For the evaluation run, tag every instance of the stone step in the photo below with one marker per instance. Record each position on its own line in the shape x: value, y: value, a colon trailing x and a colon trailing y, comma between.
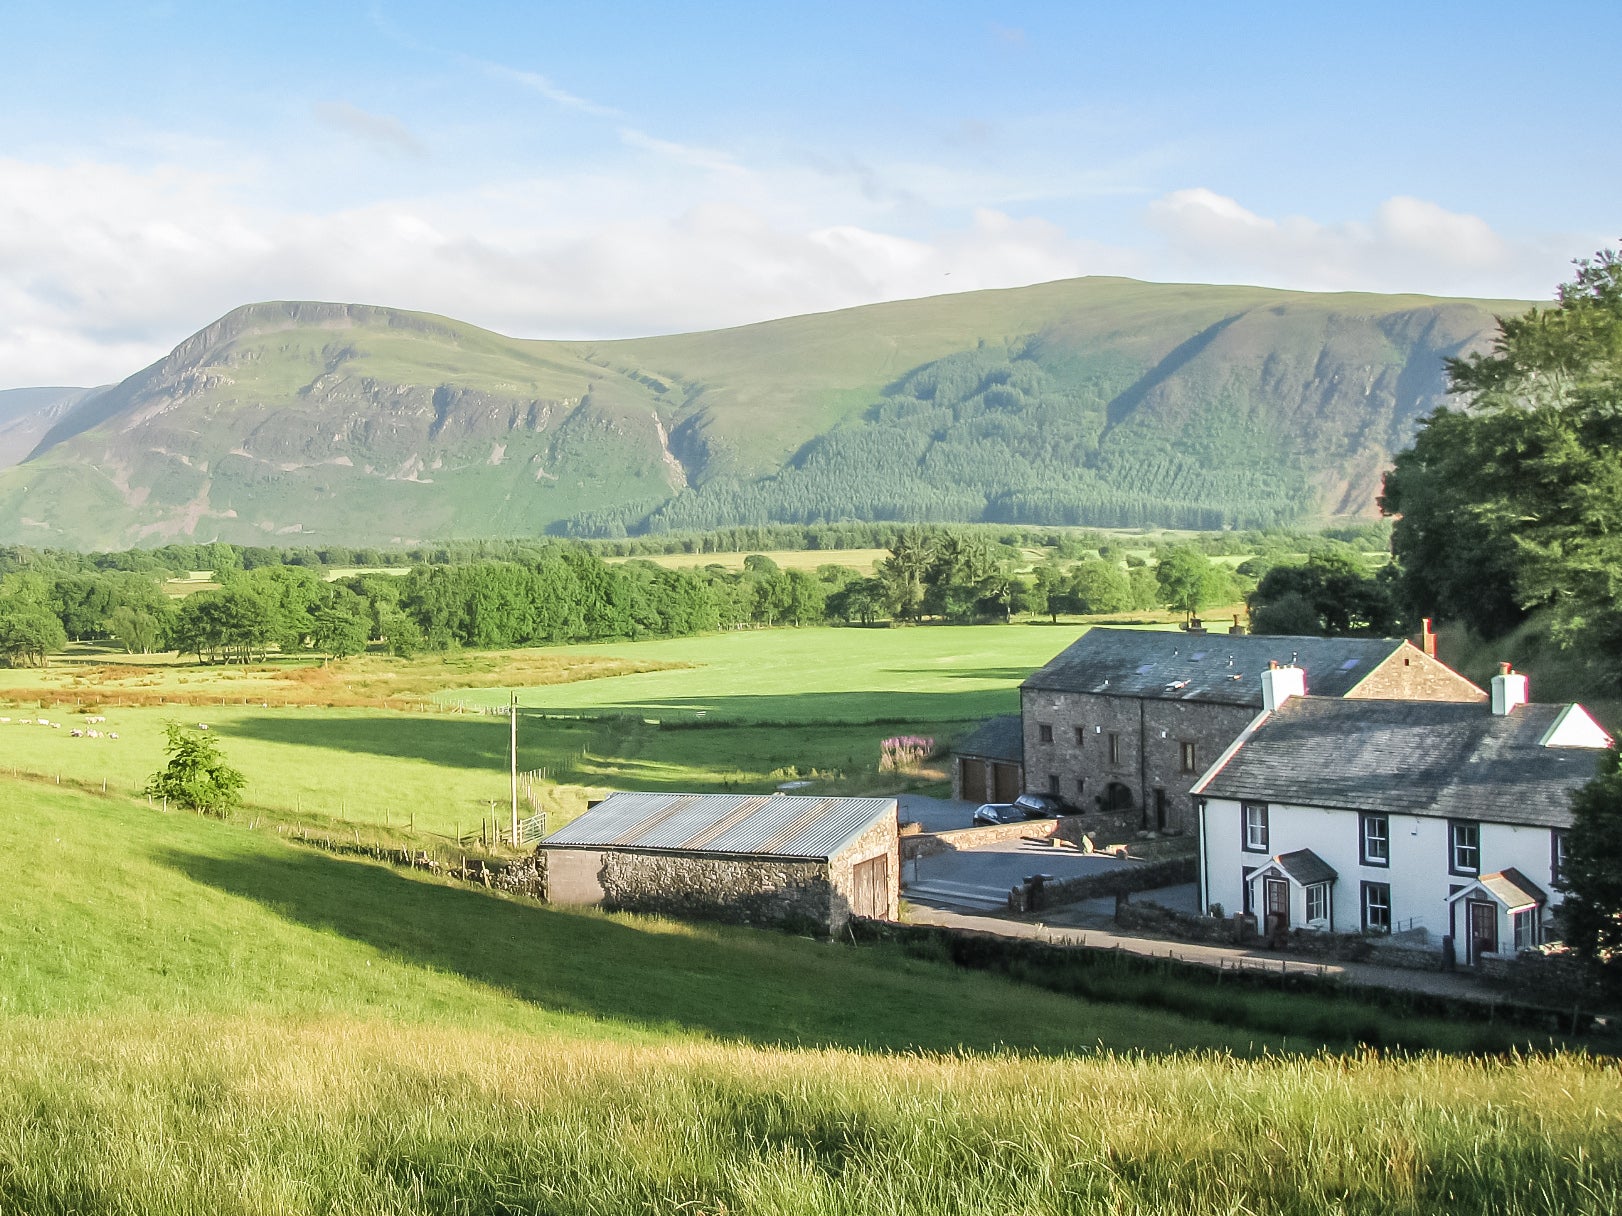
x: 956, y: 894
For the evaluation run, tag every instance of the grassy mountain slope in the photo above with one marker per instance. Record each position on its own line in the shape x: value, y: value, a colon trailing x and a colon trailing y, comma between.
x: 1102, y: 401
x: 28, y: 414
x: 204, y: 1018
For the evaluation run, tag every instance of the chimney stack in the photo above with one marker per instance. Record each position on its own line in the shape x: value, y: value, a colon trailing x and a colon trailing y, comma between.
x: 1279, y: 684
x: 1427, y: 637
x: 1508, y: 691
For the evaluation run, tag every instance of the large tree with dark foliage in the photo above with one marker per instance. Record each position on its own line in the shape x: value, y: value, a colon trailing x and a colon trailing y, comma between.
x: 1592, y: 874
x: 1514, y: 502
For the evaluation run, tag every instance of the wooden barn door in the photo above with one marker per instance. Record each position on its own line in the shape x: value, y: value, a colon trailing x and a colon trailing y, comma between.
x: 871, y: 880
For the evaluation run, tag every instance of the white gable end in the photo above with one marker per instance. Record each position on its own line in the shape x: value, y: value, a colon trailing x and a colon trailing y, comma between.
x: 1574, y: 728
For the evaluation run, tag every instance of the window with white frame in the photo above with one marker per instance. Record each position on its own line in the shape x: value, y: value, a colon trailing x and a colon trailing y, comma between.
x: 1527, y: 927
x: 1375, y: 833
x: 1318, y: 902
x: 1557, y: 857
x: 1464, y: 847
x: 1377, y: 907
x: 1255, y: 814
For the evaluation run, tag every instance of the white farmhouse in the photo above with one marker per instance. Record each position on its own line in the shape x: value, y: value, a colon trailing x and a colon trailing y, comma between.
x: 1395, y: 816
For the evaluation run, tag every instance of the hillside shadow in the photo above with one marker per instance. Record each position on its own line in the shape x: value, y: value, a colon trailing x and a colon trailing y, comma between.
x: 457, y: 742
x: 733, y: 984
x: 820, y: 708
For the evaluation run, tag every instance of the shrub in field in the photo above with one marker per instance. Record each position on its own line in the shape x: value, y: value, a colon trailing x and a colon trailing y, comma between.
x: 904, y: 752
x: 197, y: 776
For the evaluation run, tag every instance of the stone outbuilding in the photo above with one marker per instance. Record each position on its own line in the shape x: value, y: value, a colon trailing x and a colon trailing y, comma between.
x: 1124, y: 721
x: 989, y: 764
x: 805, y: 864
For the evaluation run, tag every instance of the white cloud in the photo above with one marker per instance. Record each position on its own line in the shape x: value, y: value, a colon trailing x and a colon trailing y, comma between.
x: 1408, y: 245
x: 536, y: 83
x: 104, y: 268
x: 379, y: 130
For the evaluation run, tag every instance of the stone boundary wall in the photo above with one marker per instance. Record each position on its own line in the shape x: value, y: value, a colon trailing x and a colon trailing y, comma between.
x: 925, y: 844
x: 792, y: 895
x: 1129, y: 879
x: 1043, y: 964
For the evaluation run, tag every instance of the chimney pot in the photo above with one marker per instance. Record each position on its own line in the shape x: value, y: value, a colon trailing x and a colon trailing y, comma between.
x: 1505, y: 668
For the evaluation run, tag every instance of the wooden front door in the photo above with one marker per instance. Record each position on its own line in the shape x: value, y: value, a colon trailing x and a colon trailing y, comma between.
x: 1483, y: 920
x: 871, y: 882
x: 1278, y: 901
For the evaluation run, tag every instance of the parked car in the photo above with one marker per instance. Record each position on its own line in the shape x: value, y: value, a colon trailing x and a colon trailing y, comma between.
x: 1026, y: 806
x: 997, y: 812
x: 1040, y: 806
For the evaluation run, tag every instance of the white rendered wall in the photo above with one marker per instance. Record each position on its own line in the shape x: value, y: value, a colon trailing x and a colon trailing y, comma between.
x: 1418, y: 870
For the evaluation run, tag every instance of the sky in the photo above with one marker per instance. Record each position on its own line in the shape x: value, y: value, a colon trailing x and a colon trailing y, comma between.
x: 562, y: 170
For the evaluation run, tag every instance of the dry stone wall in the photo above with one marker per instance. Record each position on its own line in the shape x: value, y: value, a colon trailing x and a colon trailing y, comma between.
x: 793, y: 895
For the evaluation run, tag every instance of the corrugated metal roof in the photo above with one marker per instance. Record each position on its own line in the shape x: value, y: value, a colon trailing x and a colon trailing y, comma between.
x: 753, y: 825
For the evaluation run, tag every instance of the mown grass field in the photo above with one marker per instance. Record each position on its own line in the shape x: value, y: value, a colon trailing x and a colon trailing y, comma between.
x: 196, y: 1017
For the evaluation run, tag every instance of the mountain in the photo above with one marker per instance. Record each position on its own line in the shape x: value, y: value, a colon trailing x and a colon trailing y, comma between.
x: 1099, y: 401
x: 27, y: 414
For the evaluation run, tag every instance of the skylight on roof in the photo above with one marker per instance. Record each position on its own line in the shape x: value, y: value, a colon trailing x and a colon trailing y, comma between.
x: 1146, y: 669
x: 1349, y: 664
x: 1198, y: 654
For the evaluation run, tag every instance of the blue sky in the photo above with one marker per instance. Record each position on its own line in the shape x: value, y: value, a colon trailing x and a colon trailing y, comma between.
x: 572, y: 170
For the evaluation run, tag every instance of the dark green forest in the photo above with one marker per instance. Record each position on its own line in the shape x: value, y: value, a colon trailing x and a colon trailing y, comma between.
x: 1003, y: 434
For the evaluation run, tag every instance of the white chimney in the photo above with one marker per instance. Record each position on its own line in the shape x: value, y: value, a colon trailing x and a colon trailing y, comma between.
x: 1508, y: 690
x: 1279, y: 684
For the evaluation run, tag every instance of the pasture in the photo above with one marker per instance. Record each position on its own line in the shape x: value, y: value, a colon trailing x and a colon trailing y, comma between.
x: 209, y: 1018
x: 392, y: 745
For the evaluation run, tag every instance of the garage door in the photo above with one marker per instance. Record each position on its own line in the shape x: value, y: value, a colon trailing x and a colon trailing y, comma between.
x: 972, y: 779
x: 1006, y: 780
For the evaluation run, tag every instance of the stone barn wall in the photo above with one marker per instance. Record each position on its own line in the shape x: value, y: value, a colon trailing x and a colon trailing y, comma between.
x: 1151, y: 734
x: 880, y: 840
x: 793, y: 895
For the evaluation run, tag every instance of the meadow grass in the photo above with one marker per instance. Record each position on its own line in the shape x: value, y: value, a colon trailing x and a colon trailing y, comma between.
x: 200, y: 1018
x: 722, y: 713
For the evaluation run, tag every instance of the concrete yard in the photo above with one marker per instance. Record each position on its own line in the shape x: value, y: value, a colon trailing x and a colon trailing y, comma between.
x: 980, y: 878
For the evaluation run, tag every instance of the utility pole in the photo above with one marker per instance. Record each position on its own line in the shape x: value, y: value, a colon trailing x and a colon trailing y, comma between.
x: 512, y: 756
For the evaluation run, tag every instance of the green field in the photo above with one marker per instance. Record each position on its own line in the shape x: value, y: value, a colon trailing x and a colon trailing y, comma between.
x: 198, y: 1017
x: 717, y: 719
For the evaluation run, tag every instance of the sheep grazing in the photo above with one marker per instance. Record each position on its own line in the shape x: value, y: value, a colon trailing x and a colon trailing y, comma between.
x: 92, y: 734
x: 78, y: 734
x: 202, y: 726
x: 112, y: 734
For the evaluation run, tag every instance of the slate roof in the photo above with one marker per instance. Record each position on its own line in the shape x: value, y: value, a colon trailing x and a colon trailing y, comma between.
x: 1220, y: 667
x: 998, y: 739
x: 1443, y: 758
x: 1306, y: 867
x: 749, y: 825
x: 1513, y: 889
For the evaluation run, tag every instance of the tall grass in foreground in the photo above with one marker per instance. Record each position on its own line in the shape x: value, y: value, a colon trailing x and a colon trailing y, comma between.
x: 350, y: 1116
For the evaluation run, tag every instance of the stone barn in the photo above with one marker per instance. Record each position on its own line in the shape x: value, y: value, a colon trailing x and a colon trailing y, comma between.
x: 805, y: 864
